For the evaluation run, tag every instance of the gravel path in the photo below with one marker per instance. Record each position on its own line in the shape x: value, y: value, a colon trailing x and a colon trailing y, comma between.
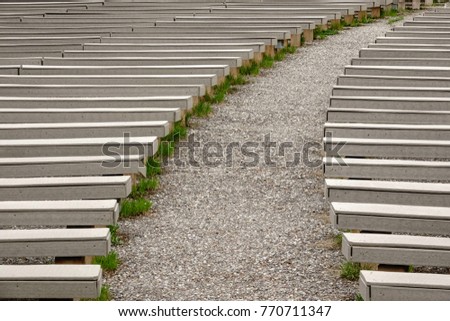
x: 248, y: 232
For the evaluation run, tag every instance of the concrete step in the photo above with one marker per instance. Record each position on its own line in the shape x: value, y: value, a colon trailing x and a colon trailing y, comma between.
x: 386, y: 91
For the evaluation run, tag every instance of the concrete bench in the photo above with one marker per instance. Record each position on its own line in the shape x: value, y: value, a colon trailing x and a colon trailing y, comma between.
x: 66, y: 115
x: 401, y: 103
x: 268, y: 41
x: 392, y: 81
x: 390, y: 218
x: 411, y: 62
x: 39, y: 41
x: 420, y: 46
x: 182, y: 102
x: 387, y: 192
x: 362, y: 168
x: 410, y: 40
x: 31, y: 48
x: 418, y: 34
x: 64, y: 188
x: 21, y: 61
x: 205, y: 80
x: 385, y: 91
x: 396, y: 249
x: 281, y: 34
x: 55, y: 242
x: 382, y: 148
x: 72, y: 166
x: 31, y: 54
x: 22, y: 28
x: 189, y: 64
x: 59, y: 213
x: 171, y: 34
x: 137, y: 44
x: 219, y: 70
x: 307, y: 24
x: 50, y: 281
x: 394, y: 286
x: 9, y: 70
x: 25, y: 90
x: 292, y: 33
x: 84, y: 129
x: 406, y: 53
x: 170, y: 62
x: 112, y: 146
x: 387, y: 116
x: 398, y: 71
x: 388, y: 131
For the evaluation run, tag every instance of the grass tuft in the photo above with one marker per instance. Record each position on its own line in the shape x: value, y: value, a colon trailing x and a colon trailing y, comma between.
x: 358, y: 297
x: 350, y: 270
x: 321, y: 34
x: 145, y: 185
x: 131, y: 207
x: 109, y: 262
x: 267, y: 62
x: 202, y: 110
x: 115, y: 238
x: 338, y: 240
x: 153, y: 167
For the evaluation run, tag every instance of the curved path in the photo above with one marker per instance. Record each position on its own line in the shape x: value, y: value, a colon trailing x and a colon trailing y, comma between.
x: 255, y: 232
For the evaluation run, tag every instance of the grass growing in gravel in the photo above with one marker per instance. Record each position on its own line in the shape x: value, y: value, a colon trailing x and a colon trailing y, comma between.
x: 250, y: 70
x: 145, y: 185
x: 115, y: 238
x: 109, y: 262
x: 131, y: 208
x: 337, y: 239
x: 358, y: 297
x: 321, y: 34
x: 350, y: 270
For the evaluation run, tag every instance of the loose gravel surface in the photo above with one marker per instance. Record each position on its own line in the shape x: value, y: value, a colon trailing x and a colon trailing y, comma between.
x: 237, y: 231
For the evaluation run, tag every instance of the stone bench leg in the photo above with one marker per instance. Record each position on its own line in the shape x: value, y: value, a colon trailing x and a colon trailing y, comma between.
x: 401, y: 5
x: 362, y: 15
x: 428, y: 2
x: 376, y: 12
x: 308, y: 35
x: 416, y: 4
x: 296, y: 40
x: 348, y: 19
